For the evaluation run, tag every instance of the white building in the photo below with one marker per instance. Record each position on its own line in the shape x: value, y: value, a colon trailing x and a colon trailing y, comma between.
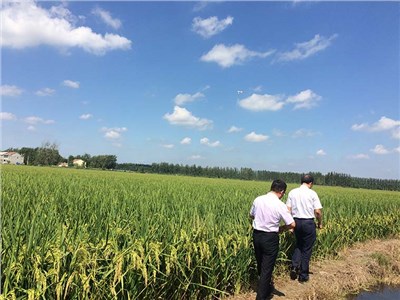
x: 77, y: 162
x: 12, y: 158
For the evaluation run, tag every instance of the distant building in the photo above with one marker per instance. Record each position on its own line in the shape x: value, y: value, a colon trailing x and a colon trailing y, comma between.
x: 77, y: 162
x: 12, y: 158
x: 63, y: 165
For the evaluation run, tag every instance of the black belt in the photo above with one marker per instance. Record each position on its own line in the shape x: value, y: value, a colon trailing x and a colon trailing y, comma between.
x: 303, y: 218
x: 261, y: 231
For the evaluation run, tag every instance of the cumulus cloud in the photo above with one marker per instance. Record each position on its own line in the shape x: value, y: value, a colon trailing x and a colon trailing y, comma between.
x: 384, y: 124
x: 182, y: 117
x: 186, y: 141
x: 10, y: 90
x: 113, y: 133
x: 106, y: 17
x: 6, y: 116
x: 380, y: 149
x: 45, y: 92
x: 255, y: 138
x: 33, y: 120
x: 210, y: 26
x: 196, y: 157
x: 181, y: 99
x: 306, y: 49
x: 321, y: 152
x: 26, y: 24
x: 227, y: 56
x: 359, y: 156
x: 71, y: 84
x: 305, y: 99
x: 257, y: 102
x: 85, y: 116
x: 207, y: 142
x: 234, y: 129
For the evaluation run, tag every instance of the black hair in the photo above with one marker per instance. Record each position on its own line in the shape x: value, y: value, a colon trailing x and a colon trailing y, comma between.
x: 307, y: 178
x: 278, y: 185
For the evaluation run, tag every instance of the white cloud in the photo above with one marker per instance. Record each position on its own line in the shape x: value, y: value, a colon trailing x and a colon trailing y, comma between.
x: 33, y: 120
x: 321, y: 152
x: 45, y: 92
x: 113, y: 133
x: 196, y: 157
x: 182, y: 117
x: 210, y: 26
x: 6, y: 116
x: 10, y: 90
x: 181, y: 99
x: 258, y: 102
x: 396, y: 150
x: 168, y: 146
x: 71, y: 84
x: 305, y: 99
x: 227, y: 56
x: 234, y: 129
x: 359, y: 156
x: 31, y: 128
x: 303, y: 133
x: 380, y: 149
x: 206, y: 141
x: 186, y: 141
x: 306, y: 49
x: 86, y: 116
x: 396, y: 133
x: 107, y: 18
x: 254, y: 137
x: 26, y: 24
x: 384, y: 124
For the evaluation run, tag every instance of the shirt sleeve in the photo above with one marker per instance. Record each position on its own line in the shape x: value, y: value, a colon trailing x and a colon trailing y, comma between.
x: 253, y: 210
x: 317, y: 202
x: 289, y: 201
x: 286, y: 216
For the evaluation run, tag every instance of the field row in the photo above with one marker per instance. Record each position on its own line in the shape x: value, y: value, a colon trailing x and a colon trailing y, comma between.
x: 84, y: 234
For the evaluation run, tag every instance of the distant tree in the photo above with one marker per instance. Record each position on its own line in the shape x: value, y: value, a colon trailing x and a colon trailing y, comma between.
x: 104, y: 161
x: 48, y: 155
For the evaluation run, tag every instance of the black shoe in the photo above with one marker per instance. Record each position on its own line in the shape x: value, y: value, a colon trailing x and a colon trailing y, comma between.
x: 303, y: 280
x: 293, y: 273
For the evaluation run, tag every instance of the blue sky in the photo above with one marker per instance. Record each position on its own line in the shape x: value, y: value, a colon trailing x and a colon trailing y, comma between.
x: 281, y: 86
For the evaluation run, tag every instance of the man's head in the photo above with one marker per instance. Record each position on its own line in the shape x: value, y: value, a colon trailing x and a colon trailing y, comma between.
x: 307, y: 178
x: 279, y: 186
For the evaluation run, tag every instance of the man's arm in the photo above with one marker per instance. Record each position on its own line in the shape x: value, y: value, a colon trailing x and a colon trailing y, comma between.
x: 283, y: 228
x: 318, y: 216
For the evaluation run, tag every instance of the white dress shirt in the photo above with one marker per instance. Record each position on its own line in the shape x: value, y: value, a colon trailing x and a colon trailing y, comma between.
x: 268, y: 210
x: 303, y: 201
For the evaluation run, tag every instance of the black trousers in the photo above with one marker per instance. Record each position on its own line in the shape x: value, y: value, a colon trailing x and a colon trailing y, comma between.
x: 266, y: 247
x: 306, y: 235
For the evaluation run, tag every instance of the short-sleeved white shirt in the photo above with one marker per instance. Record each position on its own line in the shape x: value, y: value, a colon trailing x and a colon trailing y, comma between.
x: 303, y: 201
x: 267, y: 211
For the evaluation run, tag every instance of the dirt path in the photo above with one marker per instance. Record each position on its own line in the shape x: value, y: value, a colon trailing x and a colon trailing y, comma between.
x: 359, y: 267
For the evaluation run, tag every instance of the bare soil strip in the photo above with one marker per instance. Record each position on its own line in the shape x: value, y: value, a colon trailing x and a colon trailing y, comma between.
x: 357, y: 268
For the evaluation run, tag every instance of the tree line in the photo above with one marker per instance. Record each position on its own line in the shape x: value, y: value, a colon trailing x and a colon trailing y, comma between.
x: 330, y: 179
x: 48, y: 155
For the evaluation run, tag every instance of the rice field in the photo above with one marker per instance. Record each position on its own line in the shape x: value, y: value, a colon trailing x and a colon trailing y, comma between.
x: 87, y: 234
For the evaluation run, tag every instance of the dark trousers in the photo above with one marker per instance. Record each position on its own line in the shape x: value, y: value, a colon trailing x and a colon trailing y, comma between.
x: 266, y: 247
x: 306, y: 235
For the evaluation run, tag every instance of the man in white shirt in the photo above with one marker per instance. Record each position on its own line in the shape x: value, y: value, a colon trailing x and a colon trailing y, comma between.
x: 304, y: 205
x: 266, y: 212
